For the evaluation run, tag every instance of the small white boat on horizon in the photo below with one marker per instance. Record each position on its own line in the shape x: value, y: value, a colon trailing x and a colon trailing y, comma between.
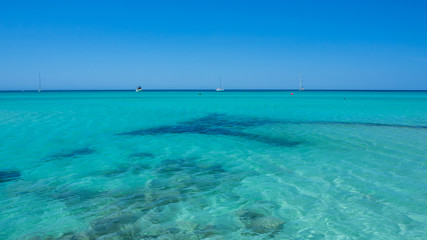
x: 138, y: 89
x: 220, y: 89
x: 301, y: 88
x: 40, y: 83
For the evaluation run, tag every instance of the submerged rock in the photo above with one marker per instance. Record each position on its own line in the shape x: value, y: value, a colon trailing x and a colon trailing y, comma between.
x: 130, y: 233
x: 105, y: 226
x: 38, y: 237
x: 258, y: 219
x: 9, y: 175
x: 74, y: 236
x: 266, y: 224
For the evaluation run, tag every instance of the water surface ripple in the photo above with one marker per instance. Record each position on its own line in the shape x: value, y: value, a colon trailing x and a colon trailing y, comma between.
x: 229, y: 165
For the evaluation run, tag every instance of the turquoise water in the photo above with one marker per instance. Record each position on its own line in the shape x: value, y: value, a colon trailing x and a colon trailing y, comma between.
x: 229, y: 165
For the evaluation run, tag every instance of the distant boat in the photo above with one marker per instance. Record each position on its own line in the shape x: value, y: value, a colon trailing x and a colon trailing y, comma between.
x: 220, y: 89
x: 301, y: 88
x: 40, y: 83
x: 138, y: 89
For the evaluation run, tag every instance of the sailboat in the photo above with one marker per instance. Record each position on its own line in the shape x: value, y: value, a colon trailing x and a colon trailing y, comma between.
x: 301, y: 88
x: 138, y: 89
x: 40, y: 83
x: 220, y: 89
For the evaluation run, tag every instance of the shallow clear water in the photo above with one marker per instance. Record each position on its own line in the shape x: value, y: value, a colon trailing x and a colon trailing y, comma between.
x: 229, y: 165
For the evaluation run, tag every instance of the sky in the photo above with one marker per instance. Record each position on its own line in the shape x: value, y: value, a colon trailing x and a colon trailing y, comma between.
x: 376, y: 45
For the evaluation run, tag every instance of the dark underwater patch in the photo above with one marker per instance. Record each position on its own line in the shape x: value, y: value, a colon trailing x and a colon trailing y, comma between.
x: 157, y: 202
x: 73, y: 154
x: 9, y: 175
x: 218, y: 124
x: 180, y: 128
x: 362, y: 124
x: 226, y: 125
x: 211, y: 124
x: 189, y: 176
x: 141, y: 155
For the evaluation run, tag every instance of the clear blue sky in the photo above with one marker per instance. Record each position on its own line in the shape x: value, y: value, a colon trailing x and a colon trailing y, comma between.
x: 189, y: 44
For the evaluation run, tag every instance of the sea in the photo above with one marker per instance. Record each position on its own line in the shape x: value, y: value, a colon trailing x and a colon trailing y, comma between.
x: 213, y: 165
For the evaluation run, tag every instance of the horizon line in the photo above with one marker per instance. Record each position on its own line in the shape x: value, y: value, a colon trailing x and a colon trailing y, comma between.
x: 212, y: 90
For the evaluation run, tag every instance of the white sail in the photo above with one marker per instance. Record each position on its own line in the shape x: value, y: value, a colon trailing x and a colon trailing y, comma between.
x: 301, y: 88
x: 220, y: 89
x: 40, y: 83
